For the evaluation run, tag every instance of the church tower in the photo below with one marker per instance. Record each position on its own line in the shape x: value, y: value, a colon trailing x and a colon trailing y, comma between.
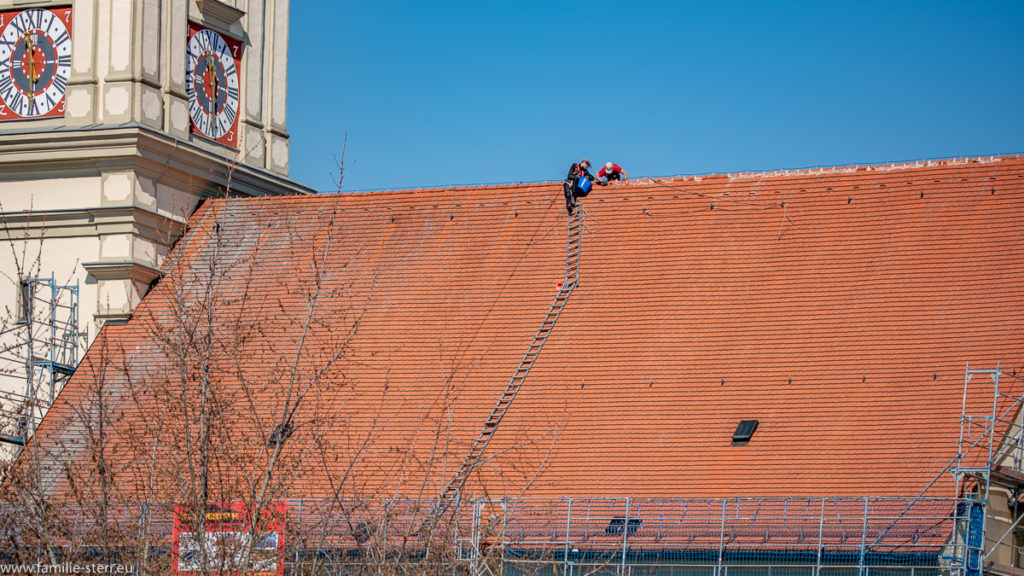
x: 117, y: 117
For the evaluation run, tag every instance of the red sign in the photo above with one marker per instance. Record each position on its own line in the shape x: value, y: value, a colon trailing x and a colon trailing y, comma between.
x: 227, y: 541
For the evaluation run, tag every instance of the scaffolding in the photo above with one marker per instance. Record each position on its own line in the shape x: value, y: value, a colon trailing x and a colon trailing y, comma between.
x: 990, y: 461
x: 905, y: 536
x: 40, y: 352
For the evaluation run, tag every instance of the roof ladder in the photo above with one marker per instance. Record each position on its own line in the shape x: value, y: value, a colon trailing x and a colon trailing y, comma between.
x: 574, y: 238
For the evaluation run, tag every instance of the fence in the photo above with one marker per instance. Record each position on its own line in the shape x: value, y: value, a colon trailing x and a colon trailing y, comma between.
x: 692, y: 537
x: 737, y: 536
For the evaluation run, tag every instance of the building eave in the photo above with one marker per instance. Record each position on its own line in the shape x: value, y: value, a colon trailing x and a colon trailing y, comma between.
x: 90, y: 150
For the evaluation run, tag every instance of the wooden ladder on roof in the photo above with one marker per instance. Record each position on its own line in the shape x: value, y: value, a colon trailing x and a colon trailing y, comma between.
x: 573, y: 243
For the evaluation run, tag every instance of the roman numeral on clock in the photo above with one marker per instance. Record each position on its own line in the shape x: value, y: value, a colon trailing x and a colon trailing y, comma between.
x: 64, y: 37
x: 35, y: 19
x: 6, y: 84
x: 17, y: 102
x: 19, y: 29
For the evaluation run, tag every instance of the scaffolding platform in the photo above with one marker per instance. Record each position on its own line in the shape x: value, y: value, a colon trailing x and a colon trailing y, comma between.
x: 40, y: 353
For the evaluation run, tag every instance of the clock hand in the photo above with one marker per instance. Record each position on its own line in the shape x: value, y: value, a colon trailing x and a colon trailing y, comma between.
x: 211, y: 71
x: 33, y: 77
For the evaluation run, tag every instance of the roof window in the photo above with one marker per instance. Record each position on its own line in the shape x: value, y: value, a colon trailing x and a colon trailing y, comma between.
x: 618, y: 524
x: 744, y: 432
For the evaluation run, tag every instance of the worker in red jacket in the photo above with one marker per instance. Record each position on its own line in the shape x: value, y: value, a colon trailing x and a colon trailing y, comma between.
x: 612, y: 171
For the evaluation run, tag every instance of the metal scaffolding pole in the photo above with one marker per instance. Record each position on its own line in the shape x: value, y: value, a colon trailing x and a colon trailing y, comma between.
x: 47, y: 333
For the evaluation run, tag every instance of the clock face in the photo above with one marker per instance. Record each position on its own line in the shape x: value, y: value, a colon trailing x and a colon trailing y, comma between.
x: 212, y: 85
x: 35, y: 62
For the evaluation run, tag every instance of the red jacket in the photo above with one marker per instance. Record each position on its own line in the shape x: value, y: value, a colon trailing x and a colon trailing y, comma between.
x: 616, y: 172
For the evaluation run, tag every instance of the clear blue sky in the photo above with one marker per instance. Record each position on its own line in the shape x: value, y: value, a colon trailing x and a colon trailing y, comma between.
x: 457, y: 93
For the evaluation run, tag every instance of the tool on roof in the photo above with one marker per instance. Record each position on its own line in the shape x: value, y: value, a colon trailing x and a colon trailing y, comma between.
x: 574, y: 240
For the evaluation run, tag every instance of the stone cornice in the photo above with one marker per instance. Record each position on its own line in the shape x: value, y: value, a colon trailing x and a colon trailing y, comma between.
x: 221, y: 11
x: 221, y: 17
x: 34, y: 225
x: 122, y: 269
x: 92, y: 150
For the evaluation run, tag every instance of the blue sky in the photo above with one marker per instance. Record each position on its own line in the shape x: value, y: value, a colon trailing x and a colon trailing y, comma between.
x: 449, y: 93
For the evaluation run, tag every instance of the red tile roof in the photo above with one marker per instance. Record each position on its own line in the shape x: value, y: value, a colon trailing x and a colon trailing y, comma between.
x: 838, y: 307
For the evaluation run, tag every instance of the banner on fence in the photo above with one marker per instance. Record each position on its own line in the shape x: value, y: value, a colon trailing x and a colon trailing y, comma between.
x: 227, y: 540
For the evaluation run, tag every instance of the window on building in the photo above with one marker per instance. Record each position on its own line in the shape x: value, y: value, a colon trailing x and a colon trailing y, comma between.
x: 744, y: 432
x: 24, y: 311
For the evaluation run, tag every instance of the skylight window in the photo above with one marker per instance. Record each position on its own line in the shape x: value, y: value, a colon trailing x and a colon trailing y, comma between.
x: 618, y: 524
x: 744, y: 432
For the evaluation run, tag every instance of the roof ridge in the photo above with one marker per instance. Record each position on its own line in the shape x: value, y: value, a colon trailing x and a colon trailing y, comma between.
x: 880, y: 167
x: 645, y: 180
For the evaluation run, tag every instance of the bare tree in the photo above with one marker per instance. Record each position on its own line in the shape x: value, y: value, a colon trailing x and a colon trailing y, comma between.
x: 215, y: 404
